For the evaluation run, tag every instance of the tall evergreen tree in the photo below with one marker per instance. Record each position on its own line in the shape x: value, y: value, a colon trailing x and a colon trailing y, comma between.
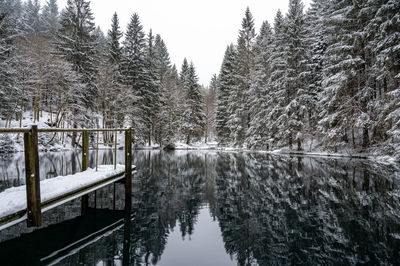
x: 31, y: 22
x: 193, y: 116
x: 226, y: 86
x: 135, y: 76
x: 342, y: 99
x: 166, y: 102
x: 317, y: 46
x: 50, y: 18
x: 114, y: 37
x: 259, y: 93
x: 244, y: 72
x: 7, y: 60
x: 153, y: 82
x: 385, y: 30
x: 276, y: 93
x: 296, y: 97
x: 75, y: 43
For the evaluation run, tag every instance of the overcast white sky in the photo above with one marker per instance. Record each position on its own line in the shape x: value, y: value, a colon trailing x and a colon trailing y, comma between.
x: 197, y: 30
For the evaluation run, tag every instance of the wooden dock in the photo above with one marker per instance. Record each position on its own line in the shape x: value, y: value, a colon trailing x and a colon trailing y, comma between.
x: 34, y: 207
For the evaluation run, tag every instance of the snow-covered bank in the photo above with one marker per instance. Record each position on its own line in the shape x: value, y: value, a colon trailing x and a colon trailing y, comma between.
x: 214, y: 146
x: 14, y: 199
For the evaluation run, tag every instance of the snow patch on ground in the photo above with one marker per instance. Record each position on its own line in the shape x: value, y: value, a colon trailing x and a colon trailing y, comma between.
x: 14, y: 199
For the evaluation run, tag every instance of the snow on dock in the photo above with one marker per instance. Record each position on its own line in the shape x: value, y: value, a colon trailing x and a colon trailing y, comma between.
x: 13, y: 200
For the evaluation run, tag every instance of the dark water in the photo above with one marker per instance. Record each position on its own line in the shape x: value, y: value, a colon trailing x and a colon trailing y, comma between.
x: 218, y: 208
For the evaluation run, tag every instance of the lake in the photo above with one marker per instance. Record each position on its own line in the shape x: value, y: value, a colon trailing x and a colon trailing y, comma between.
x: 217, y: 208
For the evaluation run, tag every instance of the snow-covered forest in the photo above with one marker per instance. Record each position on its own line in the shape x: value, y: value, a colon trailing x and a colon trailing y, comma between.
x: 61, y: 63
x: 328, y: 77
x: 325, y: 78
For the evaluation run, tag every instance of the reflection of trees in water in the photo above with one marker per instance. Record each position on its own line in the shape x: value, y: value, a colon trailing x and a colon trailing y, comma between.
x: 283, y: 210
x: 271, y: 209
x: 167, y: 189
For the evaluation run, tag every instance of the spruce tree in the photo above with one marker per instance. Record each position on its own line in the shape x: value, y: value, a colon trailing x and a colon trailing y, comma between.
x: 153, y: 92
x: 385, y: 29
x: 117, y: 91
x: 8, y: 80
x: 296, y: 99
x: 75, y: 42
x: 31, y: 22
x: 193, y: 116
x: 244, y: 72
x: 134, y: 73
x: 166, y: 102
x: 276, y: 94
x: 344, y: 98
x: 114, y: 38
x: 49, y: 18
x: 259, y: 92
x: 226, y: 86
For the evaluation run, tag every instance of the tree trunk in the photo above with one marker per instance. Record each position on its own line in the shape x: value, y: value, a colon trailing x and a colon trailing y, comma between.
x: 298, y: 144
x: 365, y: 138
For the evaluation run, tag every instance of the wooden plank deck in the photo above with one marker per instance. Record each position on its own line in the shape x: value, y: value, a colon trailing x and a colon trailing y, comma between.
x: 21, y: 215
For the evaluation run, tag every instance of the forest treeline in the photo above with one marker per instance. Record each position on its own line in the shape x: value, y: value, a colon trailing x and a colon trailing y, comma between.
x: 326, y: 77
x: 61, y: 63
x: 322, y: 78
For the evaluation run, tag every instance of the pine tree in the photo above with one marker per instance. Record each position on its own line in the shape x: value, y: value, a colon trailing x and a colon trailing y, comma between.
x: 209, y: 107
x: 133, y: 70
x: 75, y: 42
x: 114, y: 37
x: 49, y: 18
x: 296, y: 98
x: 152, y: 95
x: 114, y: 85
x: 173, y: 97
x: 244, y: 72
x: 317, y: 45
x: 31, y: 22
x: 193, y: 116
x: 384, y: 28
x: 226, y: 86
x: 7, y: 60
x: 258, y: 132
x: 276, y: 94
x: 165, y: 117
x: 344, y: 98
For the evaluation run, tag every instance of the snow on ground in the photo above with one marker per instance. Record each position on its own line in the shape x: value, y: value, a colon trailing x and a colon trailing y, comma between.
x: 14, y: 199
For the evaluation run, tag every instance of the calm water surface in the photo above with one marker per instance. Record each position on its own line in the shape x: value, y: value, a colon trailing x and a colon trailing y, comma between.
x: 219, y: 208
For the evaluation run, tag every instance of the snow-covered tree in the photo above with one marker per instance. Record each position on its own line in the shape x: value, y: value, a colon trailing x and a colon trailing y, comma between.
x: 114, y: 40
x: 193, y: 116
x: 8, y: 34
x: 276, y: 94
x: 296, y: 98
x: 258, y: 132
x: 226, y: 86
x: 75, y: 42
x: 209, y: 107
x: 244, y: 74
x: 31, y: 22
x: 134, y: 73
x: 49, y: 18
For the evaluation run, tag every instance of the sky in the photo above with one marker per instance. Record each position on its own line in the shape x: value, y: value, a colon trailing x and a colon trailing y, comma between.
x: 197, y: 30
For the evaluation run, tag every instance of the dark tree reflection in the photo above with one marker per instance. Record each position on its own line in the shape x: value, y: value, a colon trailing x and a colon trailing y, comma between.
x: 271, y: 210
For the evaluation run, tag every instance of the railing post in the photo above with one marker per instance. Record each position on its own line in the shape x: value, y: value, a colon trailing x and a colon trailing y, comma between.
x: 32, y: 177
x: 128, y: 171
x: 85, y: 165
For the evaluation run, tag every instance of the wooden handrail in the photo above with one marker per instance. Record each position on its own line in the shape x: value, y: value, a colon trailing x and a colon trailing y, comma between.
x: 14, y: 130
x: 52, y: 130
x: 34, y: 212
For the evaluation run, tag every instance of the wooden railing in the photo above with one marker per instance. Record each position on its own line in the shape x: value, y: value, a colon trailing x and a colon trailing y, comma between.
x: 32, y: 175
